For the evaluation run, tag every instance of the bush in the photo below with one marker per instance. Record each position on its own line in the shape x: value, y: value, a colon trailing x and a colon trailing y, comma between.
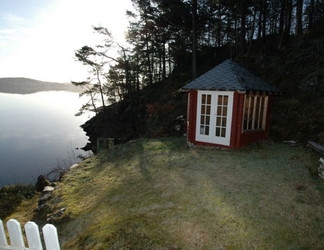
x: 12, y: 196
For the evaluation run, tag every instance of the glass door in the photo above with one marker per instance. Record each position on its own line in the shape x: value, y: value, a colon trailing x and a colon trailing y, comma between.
x: 214, y: 110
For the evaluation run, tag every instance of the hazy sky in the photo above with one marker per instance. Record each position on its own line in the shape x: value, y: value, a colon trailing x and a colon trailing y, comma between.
x: 38, y: 38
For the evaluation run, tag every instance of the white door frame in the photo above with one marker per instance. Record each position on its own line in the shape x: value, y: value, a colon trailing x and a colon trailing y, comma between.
x: 214, y: 117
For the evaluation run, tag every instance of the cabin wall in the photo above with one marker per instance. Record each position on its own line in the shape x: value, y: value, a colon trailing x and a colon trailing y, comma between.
x: 238, y: 138
x: 191, y: 115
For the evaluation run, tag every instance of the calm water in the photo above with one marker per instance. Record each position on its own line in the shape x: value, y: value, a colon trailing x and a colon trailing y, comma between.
x: 37, y: 133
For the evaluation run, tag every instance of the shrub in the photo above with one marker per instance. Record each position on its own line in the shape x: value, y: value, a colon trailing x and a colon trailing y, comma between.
x: 12, y: 196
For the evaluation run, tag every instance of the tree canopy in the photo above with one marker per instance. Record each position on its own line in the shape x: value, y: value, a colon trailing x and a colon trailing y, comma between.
x: 177, y: 40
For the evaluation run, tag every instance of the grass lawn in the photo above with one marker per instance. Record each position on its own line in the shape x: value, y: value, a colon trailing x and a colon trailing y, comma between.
x: 159, y: 194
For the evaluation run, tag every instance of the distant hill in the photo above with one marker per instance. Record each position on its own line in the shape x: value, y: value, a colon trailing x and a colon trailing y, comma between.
x: 21, y: 85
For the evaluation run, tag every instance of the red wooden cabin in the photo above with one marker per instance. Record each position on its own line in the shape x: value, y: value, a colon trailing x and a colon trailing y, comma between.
x: 228, y: 107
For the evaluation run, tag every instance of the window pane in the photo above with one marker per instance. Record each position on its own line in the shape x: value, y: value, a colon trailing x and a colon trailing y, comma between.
x: 262, y: 112
x: 202, y: 119
x: 208, y: 110
x: 224, y: 111
x: 218, y: 121
x: 246, y: 104
x: 218, y: 132
x: 251, y: 113
x: 264, y: 115
x: 203, y: 99
x: 251, y: 101
x: 220, y: 100
x: 225, y: 100
x: 202, y: 129
x: 219, y: 110
x: 207, y: 120
x: 203, y: 109
x: 224, y: 122
x: 208, y: 99
x: 258, y: 101
x: 223, y: 132
x: 207, y: 130
x: 262, y: 102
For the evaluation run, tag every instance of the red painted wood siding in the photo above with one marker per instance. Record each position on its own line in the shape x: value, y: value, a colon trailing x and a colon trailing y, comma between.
x: 192, y: 115
x: 236, y: 127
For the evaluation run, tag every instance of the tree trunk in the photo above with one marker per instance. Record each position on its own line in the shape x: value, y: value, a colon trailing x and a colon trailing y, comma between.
x: 243, y: 23
x: 264, y: 19
x: 282, y: 19
x: 299, y: 21
x: 289, y: 17
x: 194, y: 39
x: 163, y: 61
x: 130, y: 92
x: 253, y: 26
x: 93, y: 101
x: 311, y: 16
x: 219, y: 27
x: 101, y: 92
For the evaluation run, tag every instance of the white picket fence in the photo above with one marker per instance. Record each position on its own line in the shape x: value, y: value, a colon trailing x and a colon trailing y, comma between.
x: 32, y: 235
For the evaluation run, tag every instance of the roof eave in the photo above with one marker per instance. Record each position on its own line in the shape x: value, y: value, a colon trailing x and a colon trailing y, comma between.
x: 241, y: 91
x: 182, y: 90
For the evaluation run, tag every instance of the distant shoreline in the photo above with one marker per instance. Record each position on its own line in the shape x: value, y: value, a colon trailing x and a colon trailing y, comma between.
x: 21, y: 85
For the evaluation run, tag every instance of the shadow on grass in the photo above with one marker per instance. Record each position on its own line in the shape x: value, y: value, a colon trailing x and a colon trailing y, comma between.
x: 157, y: 194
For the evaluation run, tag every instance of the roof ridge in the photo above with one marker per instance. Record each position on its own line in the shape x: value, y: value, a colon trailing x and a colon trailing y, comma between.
x: 234, y: 66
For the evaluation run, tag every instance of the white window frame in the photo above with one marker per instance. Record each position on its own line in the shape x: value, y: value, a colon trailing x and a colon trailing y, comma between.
x: 255, y: 112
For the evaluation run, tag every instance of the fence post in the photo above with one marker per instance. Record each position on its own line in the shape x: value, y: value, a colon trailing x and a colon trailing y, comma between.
x: 33, y: 237
x: 15, y: 234
x: 51, y: 237
x: 3, y: 239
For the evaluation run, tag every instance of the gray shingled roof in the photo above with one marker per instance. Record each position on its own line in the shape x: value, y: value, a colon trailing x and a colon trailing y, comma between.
x: 230, y: 76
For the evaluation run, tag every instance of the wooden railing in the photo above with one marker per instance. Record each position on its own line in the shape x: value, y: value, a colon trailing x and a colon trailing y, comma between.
x: 17, y: 239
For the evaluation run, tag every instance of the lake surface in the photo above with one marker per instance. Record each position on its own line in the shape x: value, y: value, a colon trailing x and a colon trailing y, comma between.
x: 39, y: 132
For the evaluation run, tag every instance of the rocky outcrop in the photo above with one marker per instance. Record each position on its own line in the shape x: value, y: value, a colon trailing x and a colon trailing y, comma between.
x: 41, y: 183
x: 47, y: 202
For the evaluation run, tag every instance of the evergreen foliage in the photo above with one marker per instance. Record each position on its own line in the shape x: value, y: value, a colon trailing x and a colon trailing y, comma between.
x: 166, y: 48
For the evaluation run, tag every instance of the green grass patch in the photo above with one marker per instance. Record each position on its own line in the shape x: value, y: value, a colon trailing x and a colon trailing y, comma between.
x: 159, y: 194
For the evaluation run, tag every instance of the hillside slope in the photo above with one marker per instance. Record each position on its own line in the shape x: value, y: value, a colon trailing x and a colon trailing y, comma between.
x: 297, y: 68
x: 158, y: 194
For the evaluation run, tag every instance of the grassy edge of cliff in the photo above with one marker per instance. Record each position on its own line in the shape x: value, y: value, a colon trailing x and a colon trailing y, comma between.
x: 159, y: 194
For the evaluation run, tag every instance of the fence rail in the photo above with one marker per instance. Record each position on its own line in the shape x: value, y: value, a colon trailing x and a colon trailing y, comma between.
x: 32, y: 233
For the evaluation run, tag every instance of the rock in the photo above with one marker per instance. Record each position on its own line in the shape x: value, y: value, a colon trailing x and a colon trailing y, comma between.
x: 74, y: 166
x: 55, y: 215
x: 48, y: 189
x: 41, y: 183
x: 44, y: 198
x: 317, y: 147
x: 41, y: 207
x: 53, y: 184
